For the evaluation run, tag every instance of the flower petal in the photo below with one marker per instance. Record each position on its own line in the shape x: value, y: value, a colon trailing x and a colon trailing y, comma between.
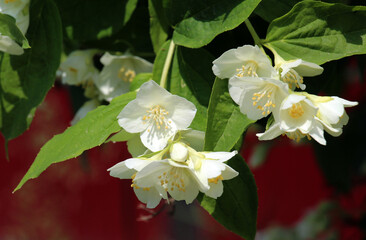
x: 120, y: 170
x: 216, y: 190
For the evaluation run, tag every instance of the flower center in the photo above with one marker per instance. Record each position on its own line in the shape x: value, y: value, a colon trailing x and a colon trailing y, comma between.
x: 172, y: 180
x: 9, y: 1
x: 248, y: 70
x: 265, y: 96
x: 297, y: 135
x: 292, y: 77
x: 126, y: 75
x: 296, y: 110
x: 158, y: 115
x: 216, y: 179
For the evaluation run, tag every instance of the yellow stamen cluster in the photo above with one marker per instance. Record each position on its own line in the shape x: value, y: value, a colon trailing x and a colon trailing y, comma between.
x: 126, y: 75
x: 172, y: 180
x: 296, y: 110
x: 258, y: 96
x: 248, y: 70
x: 158, y: 115
x: 216, y: 179
x: 292, y: 77
x: 134, y: 185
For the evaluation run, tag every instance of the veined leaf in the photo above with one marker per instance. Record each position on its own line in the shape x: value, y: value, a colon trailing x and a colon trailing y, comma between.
x: 26, y: 79
x: 225, y: 124
x: 201, y: 21
x: 89, y: 132
x: 10, y: 29
x: 319, y: 32
x: 190, y: 76
x: 236, y: 209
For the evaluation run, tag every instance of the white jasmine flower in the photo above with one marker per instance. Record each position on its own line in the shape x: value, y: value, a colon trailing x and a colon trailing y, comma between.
x: 118, y: 72
x: 296, y: 118
x: 78, y: 68
x: 87, y: 107
x: 331, y: 112
x: 257, y: 97
x: 127, y: 170
x: 210, y: 167
x: 245, y: 61
x: 18, y: 9
x: 186, y: 172
x: 157, y: 115
x: 293, y: 71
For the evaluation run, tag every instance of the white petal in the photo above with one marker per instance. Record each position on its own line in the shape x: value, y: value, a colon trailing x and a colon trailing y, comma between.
x: 216, y: 190
x: 156, y: 139
x: 130, y: 118
x: 137, y: 163
x: 221, y: 156
x: 317, y: 133
x: 225, y: 66
x: 273, y: 132
x: 213, y: 168
x: 151, y: 197
x: 181, y: 111
x: 148, y: 176
x: 120, y: 170
x: 229, y: 173
x: 151, y: 94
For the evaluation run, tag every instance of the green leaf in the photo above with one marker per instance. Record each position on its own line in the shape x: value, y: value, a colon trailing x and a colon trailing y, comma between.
x: 319, y: 32
x: 272, y: 9
x: 10, y: 29
x: 225, y: 124
x: 89, y: 132
x: 236, y: 209
x: 140, y: 79
x: 190, y: 76
x: 158, y: 25
x: 204, y: 20
x: 93, y: 19
x: 26, y: 79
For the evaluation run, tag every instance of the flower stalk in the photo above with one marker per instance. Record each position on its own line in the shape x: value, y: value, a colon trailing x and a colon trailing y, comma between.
x: 167, y: 64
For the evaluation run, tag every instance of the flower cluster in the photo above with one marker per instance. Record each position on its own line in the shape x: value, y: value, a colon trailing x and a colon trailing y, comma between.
x: 18, y: 9
x: 175, y: 164
x: 261, y: 89
x: 113, y: 80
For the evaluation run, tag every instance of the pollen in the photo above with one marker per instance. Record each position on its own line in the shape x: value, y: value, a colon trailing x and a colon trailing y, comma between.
x: 264, y: 101
x: 216, y: 179
x: 127, y: 75
x: 296, y: 111
x: 248, y: 70
x: 293, y: 78
x: 157, y: 115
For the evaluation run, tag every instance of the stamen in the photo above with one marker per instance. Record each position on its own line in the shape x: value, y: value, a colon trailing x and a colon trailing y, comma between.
x: 248, y: 70
x: 264, y: 96
x: 74, y: 70
x: 296, y: 110
x: 158, y: 115
x: 292, y: 77
x: 126, y: 75
x: 216, y: 179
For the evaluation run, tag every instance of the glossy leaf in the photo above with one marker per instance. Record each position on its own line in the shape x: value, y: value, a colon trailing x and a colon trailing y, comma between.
x: 204, y: 20
x: 190, y: 76
x: 319, y: 32
x: 10, y: 29
x: 93, y: 19
x: 26, y: 79
x: 158, y: 25
x: 90, y: 131
x: 226, y: 123
x: 236, y: 209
